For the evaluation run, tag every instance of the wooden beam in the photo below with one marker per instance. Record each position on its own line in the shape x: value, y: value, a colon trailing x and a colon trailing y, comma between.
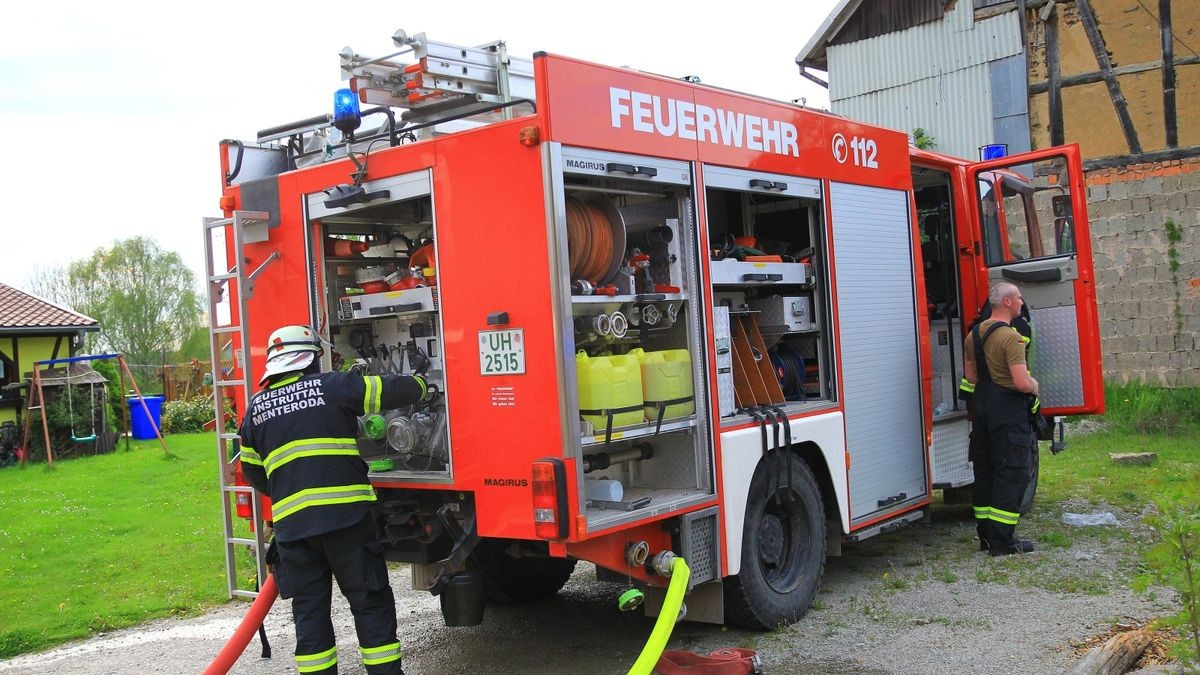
x: 1115, y: 656
x: 1168, y: 74
x: 1096, y: 76
x: 1142, y: 158
x: 1055, y: 88
x: 1088, y: 17
x: 809, y: 76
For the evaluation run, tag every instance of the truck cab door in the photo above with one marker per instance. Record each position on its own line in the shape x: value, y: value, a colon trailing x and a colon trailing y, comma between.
x: 1029, y: 215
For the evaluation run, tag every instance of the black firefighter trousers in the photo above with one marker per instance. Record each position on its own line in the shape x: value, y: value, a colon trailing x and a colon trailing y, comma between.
x: 353, y: 556
x: 1001, y: 454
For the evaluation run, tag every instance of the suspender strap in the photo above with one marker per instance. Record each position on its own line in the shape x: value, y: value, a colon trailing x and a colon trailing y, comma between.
x: 981, y: 369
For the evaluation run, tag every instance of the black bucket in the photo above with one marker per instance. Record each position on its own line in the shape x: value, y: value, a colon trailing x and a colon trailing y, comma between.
x: 463, y: 599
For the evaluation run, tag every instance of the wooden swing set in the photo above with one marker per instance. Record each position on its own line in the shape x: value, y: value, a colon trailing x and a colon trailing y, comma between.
x: 37, y: 401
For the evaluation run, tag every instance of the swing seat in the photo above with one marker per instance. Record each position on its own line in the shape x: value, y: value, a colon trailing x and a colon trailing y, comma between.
x: 83, y: 439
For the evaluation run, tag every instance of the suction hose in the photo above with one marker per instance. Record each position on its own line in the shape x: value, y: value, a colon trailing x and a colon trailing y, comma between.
x: 254, y: 617
x: 680, y: 573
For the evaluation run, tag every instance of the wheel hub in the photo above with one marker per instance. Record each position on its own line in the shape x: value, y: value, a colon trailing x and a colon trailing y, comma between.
x: 771, y: 540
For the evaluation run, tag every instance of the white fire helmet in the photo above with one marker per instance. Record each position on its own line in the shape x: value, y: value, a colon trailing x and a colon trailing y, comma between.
x: 290, y: 349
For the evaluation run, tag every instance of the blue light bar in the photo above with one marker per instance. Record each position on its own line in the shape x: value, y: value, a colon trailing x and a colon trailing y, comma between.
x: 346, y: 116
x: 993, y: 151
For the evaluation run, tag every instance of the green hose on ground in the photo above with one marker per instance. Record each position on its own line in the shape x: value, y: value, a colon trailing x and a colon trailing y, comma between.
x: 680, y: 573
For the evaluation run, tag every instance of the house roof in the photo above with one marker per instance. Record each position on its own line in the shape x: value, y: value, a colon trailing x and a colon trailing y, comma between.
x: 856, y: 20
x: 25, y: 312
x: 814, y: 51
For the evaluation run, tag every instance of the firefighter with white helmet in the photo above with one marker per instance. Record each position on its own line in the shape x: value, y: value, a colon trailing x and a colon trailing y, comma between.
x: 298, y: 446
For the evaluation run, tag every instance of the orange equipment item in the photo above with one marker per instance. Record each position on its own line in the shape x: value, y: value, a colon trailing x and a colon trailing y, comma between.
x: 344, y: 248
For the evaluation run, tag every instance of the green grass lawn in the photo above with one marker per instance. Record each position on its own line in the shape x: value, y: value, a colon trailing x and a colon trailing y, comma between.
x: 1085, y: 471
x: 104, y: 542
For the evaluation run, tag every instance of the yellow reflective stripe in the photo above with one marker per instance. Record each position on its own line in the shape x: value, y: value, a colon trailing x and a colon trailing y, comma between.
x: 1037, y: 403
x: 324, y: 496
x: 966, y: 385
x: 982, y: 512
x: 1024, y: 339
x: 373, y: 397
x: 373, y: 656
x: 311, y: 663
x: 424, y: 387
x: 249, y: 456
x: 1006, y: 517
x: 286, y: 380
x: 310, y: 447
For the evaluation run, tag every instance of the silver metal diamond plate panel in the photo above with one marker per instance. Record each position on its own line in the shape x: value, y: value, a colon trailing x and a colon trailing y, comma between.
x: 951, y: 439
x: 674, y: 464
x: 698, y: 541
x: 1054, y: 357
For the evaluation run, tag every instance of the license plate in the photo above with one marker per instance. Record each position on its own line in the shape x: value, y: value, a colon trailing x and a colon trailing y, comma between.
x: 502, y: 352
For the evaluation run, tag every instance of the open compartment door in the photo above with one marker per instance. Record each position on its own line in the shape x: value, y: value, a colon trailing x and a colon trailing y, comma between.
x: 1031, y: 229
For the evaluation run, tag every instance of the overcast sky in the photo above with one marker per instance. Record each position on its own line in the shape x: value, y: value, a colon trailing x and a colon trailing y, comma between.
x: 111, y: 111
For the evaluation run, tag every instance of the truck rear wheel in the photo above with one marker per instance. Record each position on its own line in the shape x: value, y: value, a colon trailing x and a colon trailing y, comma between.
x: 532, y: 576
x: 783, y: 547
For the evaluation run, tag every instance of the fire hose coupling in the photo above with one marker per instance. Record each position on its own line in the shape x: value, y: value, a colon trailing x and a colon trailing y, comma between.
x: 618, y: 324
x: 651, y: 315
x: 599, y: 324
x: 636, y: 553
x: 663, y: 563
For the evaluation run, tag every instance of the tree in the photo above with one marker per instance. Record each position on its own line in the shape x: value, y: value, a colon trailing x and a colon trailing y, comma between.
x: 922, y: 140
x: 144, y: 297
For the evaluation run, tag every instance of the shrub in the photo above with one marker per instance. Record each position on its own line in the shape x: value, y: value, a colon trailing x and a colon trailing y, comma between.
x: 1174, y: 561
x: 187, y: 416
x: 190, y: 415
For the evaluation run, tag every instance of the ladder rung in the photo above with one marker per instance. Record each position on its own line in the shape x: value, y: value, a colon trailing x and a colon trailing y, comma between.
x: 242, y: 540
x: 226, y: 329
x: 223, y: 277
x: 218, y: 222
x: 237, y: 592
x: 229, y: 437
x: 230, y: 383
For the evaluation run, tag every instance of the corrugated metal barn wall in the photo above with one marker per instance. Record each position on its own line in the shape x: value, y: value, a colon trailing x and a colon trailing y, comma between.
x: 939, y: 76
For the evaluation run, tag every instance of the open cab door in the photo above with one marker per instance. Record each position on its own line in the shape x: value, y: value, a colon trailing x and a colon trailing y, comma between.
x: 1031, y: 229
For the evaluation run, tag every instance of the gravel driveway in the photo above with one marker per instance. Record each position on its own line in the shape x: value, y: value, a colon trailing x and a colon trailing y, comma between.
x: 920, y: 600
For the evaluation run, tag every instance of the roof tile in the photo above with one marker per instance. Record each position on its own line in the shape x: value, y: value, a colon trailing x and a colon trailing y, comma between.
x: 19, y: 309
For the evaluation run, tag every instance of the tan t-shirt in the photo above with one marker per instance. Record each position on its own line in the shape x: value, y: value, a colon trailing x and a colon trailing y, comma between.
x: 1003, y: 349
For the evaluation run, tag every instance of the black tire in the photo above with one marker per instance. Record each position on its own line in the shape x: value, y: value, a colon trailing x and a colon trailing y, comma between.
x: 783, y: 547
x: 1031, y: 487
x: 512, y: 580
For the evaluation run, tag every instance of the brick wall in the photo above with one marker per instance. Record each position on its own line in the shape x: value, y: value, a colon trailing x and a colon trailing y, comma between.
x: 1143, y: 336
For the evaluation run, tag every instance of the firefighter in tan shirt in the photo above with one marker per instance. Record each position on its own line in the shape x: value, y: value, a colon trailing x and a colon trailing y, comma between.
x: 1001, y: 436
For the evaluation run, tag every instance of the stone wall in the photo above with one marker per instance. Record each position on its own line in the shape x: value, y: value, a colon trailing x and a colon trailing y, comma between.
x: 1149, y: 313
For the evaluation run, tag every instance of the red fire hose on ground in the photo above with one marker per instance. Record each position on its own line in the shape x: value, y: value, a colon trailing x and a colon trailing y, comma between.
x: 250, y: 625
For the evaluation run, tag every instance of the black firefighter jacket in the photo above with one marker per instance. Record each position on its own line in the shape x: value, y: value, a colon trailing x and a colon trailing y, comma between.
x: 298, y: 447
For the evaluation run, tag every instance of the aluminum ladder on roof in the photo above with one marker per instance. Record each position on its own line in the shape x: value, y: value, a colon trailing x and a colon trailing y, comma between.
x: 228, y: 289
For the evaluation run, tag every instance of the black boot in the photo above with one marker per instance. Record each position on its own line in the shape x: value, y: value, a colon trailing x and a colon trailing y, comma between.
x: 1018, y: 546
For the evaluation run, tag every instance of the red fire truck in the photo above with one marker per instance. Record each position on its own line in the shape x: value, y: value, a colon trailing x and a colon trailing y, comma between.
x: 662, y: 318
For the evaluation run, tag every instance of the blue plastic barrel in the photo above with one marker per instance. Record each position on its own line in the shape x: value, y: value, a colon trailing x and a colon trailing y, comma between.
x: 143, y: 427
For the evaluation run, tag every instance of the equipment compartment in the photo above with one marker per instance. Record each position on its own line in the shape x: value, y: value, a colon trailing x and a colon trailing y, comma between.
x: 767, y: 259
x: 381, y: 295
x: 628, y: 273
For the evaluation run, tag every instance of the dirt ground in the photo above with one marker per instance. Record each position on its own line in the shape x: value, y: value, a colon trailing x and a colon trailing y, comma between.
x: 920, y: 600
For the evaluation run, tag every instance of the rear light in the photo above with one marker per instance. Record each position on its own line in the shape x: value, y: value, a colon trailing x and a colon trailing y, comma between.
x: 242, y: 500
x: 549, y: 499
